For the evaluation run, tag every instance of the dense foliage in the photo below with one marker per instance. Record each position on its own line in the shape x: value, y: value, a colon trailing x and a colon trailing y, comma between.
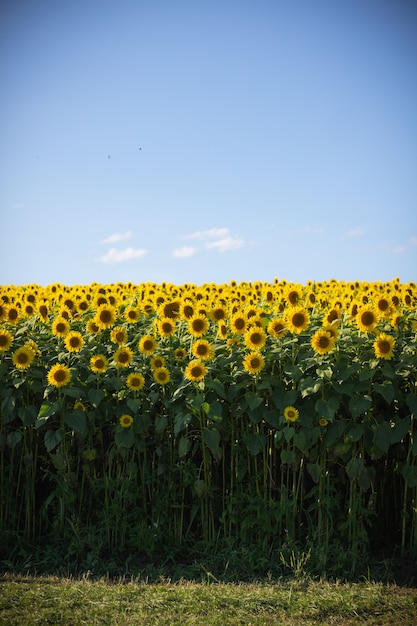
x: 275, y: 419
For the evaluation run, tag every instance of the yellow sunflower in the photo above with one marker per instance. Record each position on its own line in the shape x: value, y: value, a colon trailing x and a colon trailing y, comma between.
x: 118, y: 335
x: 384, y: 346
x: 297, y: 319
x: 277, y: 327
x: 291, y: 414
x: 323, y: 422
x: 60, y: 327
x: 254, y: 362
x: 74, y: 341
x: 105, y: 316
x: 218, y: 313
x: 366, y: 319
x: 157, y: 361
x: 132, y: 314
x: 79, y: 406
x: 202, y: 349
x: 92, y: 327
x: 198, y: 325
x: 6, y: 339
x: 23, y: 357
x: 166, y: 326
x: 12, y: 314
x: 135, y: 381
x: 126, y: 421
x: 59, y: 375
x: 180, y: 354
x: 147, y: 344
x: 161, y: 375
x: 195, y: 370
x: 98, y: 364
x: 123, y: 356
x: 322, y: 342
x: 238, y: 323
x: 255, y: 338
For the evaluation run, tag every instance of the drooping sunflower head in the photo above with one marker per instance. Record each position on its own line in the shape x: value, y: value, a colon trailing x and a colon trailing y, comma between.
x: 161, y: 375
x: 322, y: 342
x: 147, y: 344
x: 254, y: 362
x: 135, y: 381
x: 59, y: 375
x: 23, y: 357
x: 198, y: 325
x: 92, y: 327
x: 366, y: 319
x: 195, y: 370
x: 6, y: 339
x: 384, y: 346
x: 255, y: 338
x: 277, y: 327
x: 74, y: 341
x: 98, y: 364
x: 297, y: 319
x: 126, y: 421
x: 123, y: 356
x: 202, y: 349
x: 291, y: 414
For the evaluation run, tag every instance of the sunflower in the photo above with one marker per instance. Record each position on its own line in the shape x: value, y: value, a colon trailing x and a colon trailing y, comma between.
x: 59, y: 375
x: 187, y: 309
x: 255, y: 338
x: 123, y: 356
x: 323, y: 422
x: 12, y: 314
x: 291, y: 414
x: 135, y: 381
x: 32, y: 345
x: 74, y: 341
x: 105, y: 316
x: 147, y: 344
x: 221, y: 330
x: 157, y: 361
x: 202, y: 349
x: 198, y: 325
x: 23, y: 357
x: 166, y: 326
x: 132, y: 314
x: 79, y: 406
x: 384, y: 346
x: 332, y: 330
x: 98, y: 364
x: 170, y: 309
x: 118, y: 335
x: 277, y: 327
x: 60, y: 327
x: 322, y: 342
x: 92, y: 327
x: 238, y: 323
x: 383, y: 306
x: 43, y: 311
x: 254, y: 362
x: 297, y: 319
x: 218, y: 313
x: 195, y: 370
x: 161, y: 375
x: 126, y: 421
x: 180, y: 354
x: 6, y: 339
x: 366, y: 319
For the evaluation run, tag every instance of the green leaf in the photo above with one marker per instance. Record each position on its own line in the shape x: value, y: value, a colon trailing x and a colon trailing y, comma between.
x: 355, y: 467
x: 400, y: 429
x: 52, y: 439
x: 7, y: 408
x: 315, y: 470
x: 14, y: 438
x: 309, y: 386
x: 161, y: 423
x: 409, y: 473
x: 184, y: 446
x: 73, y: 392
x: 300, y: 440
x: 354, y: 433
x: 411, y: 400
x: 76, y: 420
x: 27, y: 414
x: 253, y: 400
x: 124, y: 437
x: 327, y: 408
x: 46, y: 411
x: 282, y: 398
x: 386, y: 390
x: 181, y: 421
x: 254, y: 442
x: 359, y: 404
x: 288, y: 433
x: 211, y: 438
x: 288, y: 456
x: 134, y: 404
x: 95, y: 396
x: 218, y: 387
x: 382, y: 436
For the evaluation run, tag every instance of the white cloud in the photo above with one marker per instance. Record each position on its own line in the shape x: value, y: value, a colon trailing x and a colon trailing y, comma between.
x: 114, y: 255
x: 225, y: 244
x: 183, y: 252
x: 412, y: 242
x: 212, y: 233
x: 355, y: 232
x: 117, y: 237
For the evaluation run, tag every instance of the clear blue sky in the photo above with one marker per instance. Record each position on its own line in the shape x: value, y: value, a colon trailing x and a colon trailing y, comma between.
x: 208, y: 140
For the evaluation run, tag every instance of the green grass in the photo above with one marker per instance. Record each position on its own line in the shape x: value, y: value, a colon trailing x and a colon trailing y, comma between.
x: 56, y: 601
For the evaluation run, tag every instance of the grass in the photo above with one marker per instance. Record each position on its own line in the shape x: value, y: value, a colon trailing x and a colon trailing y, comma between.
x: 30, y: 601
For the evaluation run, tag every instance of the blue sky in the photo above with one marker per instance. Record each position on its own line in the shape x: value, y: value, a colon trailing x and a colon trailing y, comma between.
x: 208, y: 141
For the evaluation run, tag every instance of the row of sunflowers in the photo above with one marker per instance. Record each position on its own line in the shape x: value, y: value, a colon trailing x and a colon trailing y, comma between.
x: 214, y: 392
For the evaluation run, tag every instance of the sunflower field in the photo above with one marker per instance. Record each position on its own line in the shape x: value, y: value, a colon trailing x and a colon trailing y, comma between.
x: 175, y: 419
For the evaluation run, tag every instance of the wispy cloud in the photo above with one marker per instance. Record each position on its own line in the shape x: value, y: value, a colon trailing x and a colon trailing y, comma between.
x: 184, y: 252
x: 219, y: 239
x: 411, y: 243
x: 114, y: 255
x: 117, y: 237
x: 355, y: 232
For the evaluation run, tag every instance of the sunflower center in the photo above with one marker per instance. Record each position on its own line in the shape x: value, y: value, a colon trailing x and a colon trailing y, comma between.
x: 198, y: 325
x: 123, y: 357
x: 3, y: 340
x: 384, y: 346
x: 367, y: 318
x: 255, y: 362
x: 202, y: 350
x: 383, y: 304
x: 99, y: 363
x: 298, y: 320
x: 196, y: 371
x: 74, y: 342
x: 240, y: 323
x: 13, y: 314
x: 59, y: 376
x: 22, y: 358
x: 324, y: 342
x: 105, y: 316
x: 61, y: 327
x: 148, y: 344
